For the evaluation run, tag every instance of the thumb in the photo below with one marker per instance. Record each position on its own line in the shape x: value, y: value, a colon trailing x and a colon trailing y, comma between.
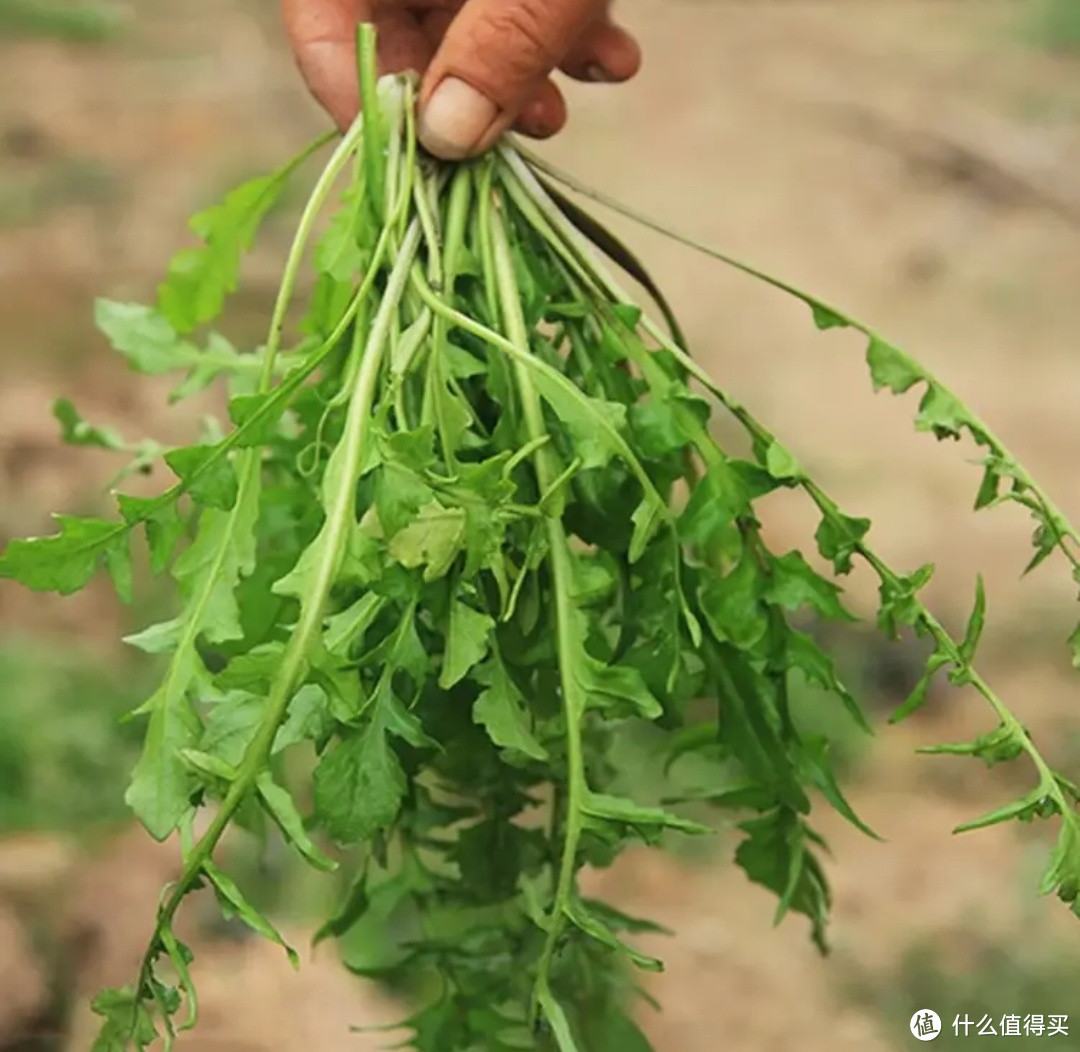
x: 493, y: 60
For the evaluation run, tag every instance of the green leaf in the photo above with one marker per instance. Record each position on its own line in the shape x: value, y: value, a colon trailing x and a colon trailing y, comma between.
x: 825, y: 317
x: 144, y: 337
x: 359, y: 785
x: 346, y: 630
x: 199, y: 279
x: 817, y: 770
x: 973, y: 632
x: 941, y: 412
x: 502, y: 711
x: 125, y: 1019
x: 793, y: 583
x: 161, y: 782
x: 899, y: 604
x: 776, y: 855
x: 433, y: 539
x: 162, y: 523
x: 588, y: 922
x: 258, y: 415
x: 156, y: 639
x: 1001, y: 745
x: 467, y: 642
x: 233, y: 901
x: 1062, y: 873
x: 206, y: 475
x: 617, y: 689
x: 917, y: 698
x: 279, y: 805
x: 891, y: 368
x: 66, y: 561
x: 231, y: 724
x: 1024, y: 810
x: 781, y: 463
x: 732, y: 604
x: 719, y: 496
x: 75, y: 431
x: 647, y: 518
x: 804, y: 654
x: 589, y: 422
x: 838, y: 538
x: 625, y: 812
x: 213, y: 768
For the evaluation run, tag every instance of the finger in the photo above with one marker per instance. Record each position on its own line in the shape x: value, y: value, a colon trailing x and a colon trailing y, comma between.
x: 323, y: 38
x: 606, y: 53
x: 494, y: 58
x: 544, y: 114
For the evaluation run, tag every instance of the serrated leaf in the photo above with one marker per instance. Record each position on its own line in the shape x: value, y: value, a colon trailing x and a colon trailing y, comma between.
x: 279, y: 805
x: 825, y: 317
x: 259, y: 414
x: 156, y: 639
x: 502, y: 711
x: 814, y: 761
x: 626, y: 812
x: 804, y: 654
x: 207, y: 475
x: 1000, y: 745
x: 617, y: 689
x: 591, y: 423
x: 776, y: 855
x: 347, y: 628
x: 588, y: 922
x: 973, y: 631
x: 1023, y: 810
x: 161, y: 521
x: 781, y: 463
x: 199, y: 279
x: 793, y: 583
x: 63, y: 562
x: 359, y: 785
x: 161, y: 783
x: 1062, y: 873
x: 917, y: 698
x: 838, y: 538
x: 232, y: 898
x: 940, y: 412
x: 891, y: 368
x: 144, y: 337
x: 467, y: 642
x: 647, y: 518
x: 732, y: 604
x: 212, y: 767
x: 433, y: 540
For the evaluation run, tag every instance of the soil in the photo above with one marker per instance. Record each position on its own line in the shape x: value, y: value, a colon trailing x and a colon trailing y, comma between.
x: 916, y: 163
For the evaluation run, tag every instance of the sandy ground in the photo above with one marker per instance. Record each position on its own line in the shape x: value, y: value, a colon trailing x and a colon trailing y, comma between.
x: 913, y: 162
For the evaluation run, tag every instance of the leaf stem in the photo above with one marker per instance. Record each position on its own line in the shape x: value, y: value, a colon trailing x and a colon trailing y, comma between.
x: 548, y: 473
x: 311, y: 607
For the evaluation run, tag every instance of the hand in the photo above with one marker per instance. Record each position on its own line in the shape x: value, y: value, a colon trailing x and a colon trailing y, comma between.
x: 485, y: 64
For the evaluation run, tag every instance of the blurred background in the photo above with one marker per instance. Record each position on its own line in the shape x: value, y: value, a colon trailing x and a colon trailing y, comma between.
x: 915, y: 162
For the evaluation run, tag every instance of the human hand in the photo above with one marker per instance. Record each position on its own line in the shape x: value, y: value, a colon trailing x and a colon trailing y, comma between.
x: 485, y: 64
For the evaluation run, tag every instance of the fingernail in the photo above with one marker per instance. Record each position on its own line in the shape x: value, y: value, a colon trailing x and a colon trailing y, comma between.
x: 598, y: 74
x: 455, y: 119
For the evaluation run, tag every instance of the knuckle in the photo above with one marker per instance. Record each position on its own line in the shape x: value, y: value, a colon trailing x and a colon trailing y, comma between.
x: 518, y: 34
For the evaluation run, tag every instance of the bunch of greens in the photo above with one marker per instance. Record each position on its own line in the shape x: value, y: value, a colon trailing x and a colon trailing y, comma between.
x: 466, y: 526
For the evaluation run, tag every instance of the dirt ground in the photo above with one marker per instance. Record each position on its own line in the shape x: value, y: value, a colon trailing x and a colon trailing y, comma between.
x: 915, y: 162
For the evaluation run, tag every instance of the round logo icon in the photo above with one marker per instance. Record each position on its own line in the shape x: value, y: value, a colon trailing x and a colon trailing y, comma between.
x: 925, y: 1025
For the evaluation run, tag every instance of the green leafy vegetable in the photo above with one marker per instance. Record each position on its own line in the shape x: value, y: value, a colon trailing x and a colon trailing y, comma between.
x: 471, y: 526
